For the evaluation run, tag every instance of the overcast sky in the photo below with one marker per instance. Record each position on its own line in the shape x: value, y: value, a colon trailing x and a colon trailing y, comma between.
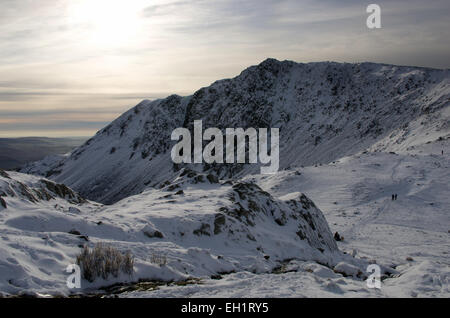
x: 68, y: 67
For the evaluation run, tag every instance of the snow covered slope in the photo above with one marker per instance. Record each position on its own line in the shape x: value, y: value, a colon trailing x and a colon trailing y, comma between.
x: 324, y: 111
x: 204, y: 228
x: 355, y: 195
x: 35, y: 217
x: 200, y: 227
x: 411, y: 234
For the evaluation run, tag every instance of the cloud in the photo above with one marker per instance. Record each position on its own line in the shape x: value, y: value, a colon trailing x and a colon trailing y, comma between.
x: 63, y: 124
x: 51, y: 61
x: 21, y: 95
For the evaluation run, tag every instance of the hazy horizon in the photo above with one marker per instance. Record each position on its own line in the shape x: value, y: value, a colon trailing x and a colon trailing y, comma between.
x: 68, y: 68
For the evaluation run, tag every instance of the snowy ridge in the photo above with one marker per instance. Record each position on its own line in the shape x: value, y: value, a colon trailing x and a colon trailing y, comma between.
x: 324, y: 111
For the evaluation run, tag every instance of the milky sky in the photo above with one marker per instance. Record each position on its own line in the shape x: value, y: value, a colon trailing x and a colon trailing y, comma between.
x: 68, y: 67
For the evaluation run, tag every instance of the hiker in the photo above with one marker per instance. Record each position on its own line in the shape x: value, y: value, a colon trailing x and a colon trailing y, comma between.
x: 337, y: 237
x: 442, y: 151
x: 393, y: 197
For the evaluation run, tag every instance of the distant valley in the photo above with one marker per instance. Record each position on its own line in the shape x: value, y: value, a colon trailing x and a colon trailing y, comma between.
x: 15, y: 152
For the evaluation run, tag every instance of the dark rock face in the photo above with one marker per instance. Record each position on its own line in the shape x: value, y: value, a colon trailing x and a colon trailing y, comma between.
x: 219, y: 221
x: 152, y: 234
x: 3, y: 203
x: 204, y: 229
x: 39, y: 190
x: 63, y: 191
x: 4, y: 174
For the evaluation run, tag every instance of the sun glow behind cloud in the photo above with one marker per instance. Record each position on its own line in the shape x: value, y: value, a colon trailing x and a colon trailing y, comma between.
x: 108, y: 23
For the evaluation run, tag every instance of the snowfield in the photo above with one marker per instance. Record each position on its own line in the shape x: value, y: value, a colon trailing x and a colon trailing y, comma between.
x: 409, y: 237
x: 351, y: 136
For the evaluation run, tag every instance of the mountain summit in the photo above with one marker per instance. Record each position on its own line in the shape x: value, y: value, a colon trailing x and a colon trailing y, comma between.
x: 324, y: 111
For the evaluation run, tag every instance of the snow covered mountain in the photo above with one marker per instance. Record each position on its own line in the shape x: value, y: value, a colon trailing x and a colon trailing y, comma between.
x: 351, y: 135
x: 324, y: 111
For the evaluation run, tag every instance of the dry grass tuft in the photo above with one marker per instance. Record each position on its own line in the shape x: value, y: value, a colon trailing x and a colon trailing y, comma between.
x: 104, y: 260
